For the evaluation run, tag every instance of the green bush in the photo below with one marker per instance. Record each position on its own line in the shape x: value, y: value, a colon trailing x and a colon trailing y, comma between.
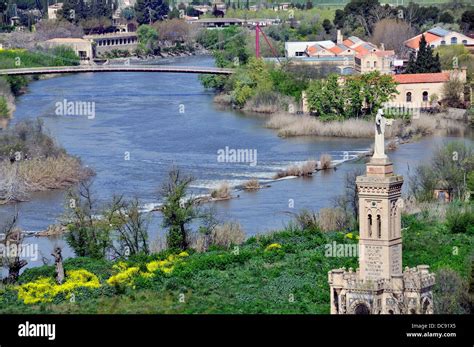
x: 4, y: 111
x: 460, y: 218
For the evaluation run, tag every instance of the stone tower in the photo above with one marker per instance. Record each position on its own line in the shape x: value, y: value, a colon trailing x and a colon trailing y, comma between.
x: 379, y: 285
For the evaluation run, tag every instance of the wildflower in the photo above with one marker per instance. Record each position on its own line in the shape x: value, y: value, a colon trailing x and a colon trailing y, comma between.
x: 272, y: 247
x: 44, y: 289
x: 124, y: 277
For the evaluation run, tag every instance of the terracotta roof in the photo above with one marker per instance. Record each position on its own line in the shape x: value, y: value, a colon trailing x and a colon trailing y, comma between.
x: 415, y: 41
x: 348, y: 42
x: 336, y: 49
x: 422, y: 78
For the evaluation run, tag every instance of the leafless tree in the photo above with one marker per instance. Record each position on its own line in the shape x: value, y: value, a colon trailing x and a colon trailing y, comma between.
x: 131, y: 230
x: 50, y: 29
x: 13, y: 187
x: 11, y: 238
x: 393, y: 33
x: 58, y: 261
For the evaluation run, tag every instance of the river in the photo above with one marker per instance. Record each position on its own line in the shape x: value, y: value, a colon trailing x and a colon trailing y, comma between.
x: 147, y: 122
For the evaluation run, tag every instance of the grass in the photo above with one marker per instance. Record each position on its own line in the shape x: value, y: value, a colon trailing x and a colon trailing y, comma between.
x: 252, y: 280
x: 20, y: 58
x: 290, y: 125
x: 305, y: 169
x: 251, y: 184
x: 222, y: 192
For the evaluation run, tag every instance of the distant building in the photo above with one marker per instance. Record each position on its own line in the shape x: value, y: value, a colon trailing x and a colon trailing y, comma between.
x: 283, y: 6
x: 82, y: 47
x: 419, y: 89
x: 124, y: 41
x: 382, y: 61
x: 439, y: 37
x: 53, y: 9
x: 219, y: 22
x: 361, y: 55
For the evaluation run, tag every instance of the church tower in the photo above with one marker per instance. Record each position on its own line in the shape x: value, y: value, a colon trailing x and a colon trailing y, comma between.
x: 380, y: 285
x: 380, y: 243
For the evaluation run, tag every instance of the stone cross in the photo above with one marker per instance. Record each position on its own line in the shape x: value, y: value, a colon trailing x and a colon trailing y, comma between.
x: 380, y: 123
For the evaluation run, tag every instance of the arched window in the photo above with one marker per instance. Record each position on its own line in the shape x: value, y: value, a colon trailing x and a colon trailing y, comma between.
x: 375, y: 63
x: 464, y: 42
x: 425, y: 96
x: 454, y: 40
x: 443, y: 42
x: 379, y: 226
x: 408, y: 97
x: 369, y: 225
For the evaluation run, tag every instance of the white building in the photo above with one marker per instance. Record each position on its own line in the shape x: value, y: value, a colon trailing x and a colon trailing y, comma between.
x: 439, y: 37
x: 53, y: 9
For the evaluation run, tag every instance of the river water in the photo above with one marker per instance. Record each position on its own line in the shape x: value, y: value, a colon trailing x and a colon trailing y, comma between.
x: 147, y: 122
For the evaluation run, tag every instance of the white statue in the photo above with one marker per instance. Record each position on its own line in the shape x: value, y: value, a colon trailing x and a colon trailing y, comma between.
x: 380, y: 123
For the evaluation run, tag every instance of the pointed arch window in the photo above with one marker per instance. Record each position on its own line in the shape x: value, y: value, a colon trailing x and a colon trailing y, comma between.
x: 379, y: 226
x: 369, y: 225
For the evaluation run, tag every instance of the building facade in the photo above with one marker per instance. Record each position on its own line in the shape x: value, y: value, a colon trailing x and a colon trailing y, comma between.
x: 424, y: 88
x: 440, y: 37
x: 82, y: 47
x: 380, y: 285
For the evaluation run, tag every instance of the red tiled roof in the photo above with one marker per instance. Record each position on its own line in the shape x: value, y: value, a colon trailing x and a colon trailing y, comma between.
x: 361, y: 49
x: 348, y: 42
x: 384, y: 53
x: 336, y: 49
x: 415, y: 42
x: 422, y: 78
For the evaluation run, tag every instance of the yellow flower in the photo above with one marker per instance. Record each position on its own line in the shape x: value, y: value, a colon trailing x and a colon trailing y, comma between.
x: 272, y: 247
x: 124, y: 277
x: 183, y: 254
x: 44, y: 289
x: 349, y: 235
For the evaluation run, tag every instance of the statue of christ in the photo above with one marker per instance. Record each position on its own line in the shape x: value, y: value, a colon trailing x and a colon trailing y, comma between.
x: 380, y: 123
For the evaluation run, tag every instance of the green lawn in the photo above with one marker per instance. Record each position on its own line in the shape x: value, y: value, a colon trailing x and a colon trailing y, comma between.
x: 290, y: 279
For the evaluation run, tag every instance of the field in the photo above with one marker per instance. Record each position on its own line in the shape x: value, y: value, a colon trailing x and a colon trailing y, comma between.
x: 284, y: 272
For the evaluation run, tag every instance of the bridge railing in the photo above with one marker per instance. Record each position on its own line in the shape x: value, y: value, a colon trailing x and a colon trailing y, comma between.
x: 116, y: 68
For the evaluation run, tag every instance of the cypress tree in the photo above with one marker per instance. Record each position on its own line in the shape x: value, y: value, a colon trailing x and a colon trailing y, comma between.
x: 424, y: 62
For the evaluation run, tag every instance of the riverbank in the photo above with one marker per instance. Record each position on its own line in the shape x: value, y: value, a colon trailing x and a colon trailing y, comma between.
x: 31, y: 161
x: 283, y: 272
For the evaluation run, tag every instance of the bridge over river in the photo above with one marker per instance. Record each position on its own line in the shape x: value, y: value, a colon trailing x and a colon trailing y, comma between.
x: 116, y: 68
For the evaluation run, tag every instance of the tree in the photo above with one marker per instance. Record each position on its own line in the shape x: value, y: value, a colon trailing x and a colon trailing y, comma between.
x: 147, y: 38
x: 87, y: 236
x: 450, y: 165
x: 339, y: 19
x: 425, y: 62
x: 467, y: 20
x: 128, y: 13
x: 12, y: 242
x: 327, y: 26
x: 446, y: 17
x: 362, y: 13
x: 452, y: 92
x: 131, y: 232
x: 355, y: 96
x: 309, y: 5
x: 450, y: 294
x: 392, y: 33
x: 178, y: 209
x: 149, y: 11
